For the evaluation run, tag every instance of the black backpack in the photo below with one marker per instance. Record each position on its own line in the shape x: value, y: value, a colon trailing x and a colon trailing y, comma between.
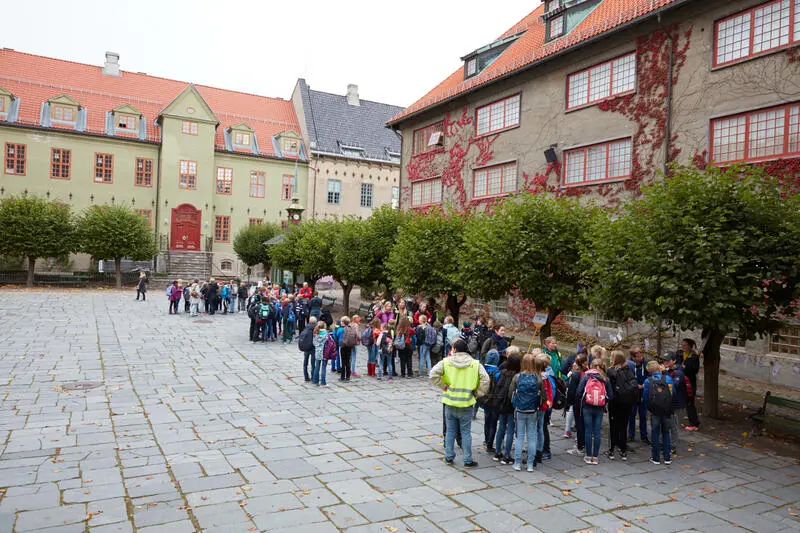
x: 560, y: 394
x: 659, y: 397
x: 305, y: 341
x: 498, y: 395
x: 626, y: 388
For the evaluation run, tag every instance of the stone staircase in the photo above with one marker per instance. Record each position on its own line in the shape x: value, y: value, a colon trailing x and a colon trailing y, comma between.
x: 189, y: 265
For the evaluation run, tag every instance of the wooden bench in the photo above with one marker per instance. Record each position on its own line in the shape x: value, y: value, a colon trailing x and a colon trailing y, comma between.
x: 327, y: 301
x: 363, y: 310
x: 770, y: 399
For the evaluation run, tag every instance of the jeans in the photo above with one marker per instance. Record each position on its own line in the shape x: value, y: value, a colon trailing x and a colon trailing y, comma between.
x: 640, y: 410
x: 385, y: 365
x: 288, y: 331
x: 320, y: 369
x: 232, y: 304
x: 424, y: 358
x: 569, y: 425
x: 490, y: 416
x: 458, y: 417
x: 505, y: 430
x: 194, y: 309
x: 265, y: 334
x: 659, y: 437
x: 593, y: 422
x: 345, y: 363
x: 580, y: 429
x: 173, y: 306
x: 526, y: 428
x: 273, y: 329
x: 242, y: 301
x: 540, y: 431
x: 618, y: 422
x: 186, y: 305
x: 544, y: 443
x: 353, y: 360
x: 211, y: 305
x: 675, y: 426
x: 308, y: 356
x: 372, y: 354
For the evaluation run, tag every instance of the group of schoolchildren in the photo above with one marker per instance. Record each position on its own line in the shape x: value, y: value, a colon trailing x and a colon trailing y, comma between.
x: 206, y: 296
x: 525, y: 389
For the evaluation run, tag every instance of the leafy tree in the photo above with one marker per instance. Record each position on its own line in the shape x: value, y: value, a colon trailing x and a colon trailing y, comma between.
x: 384, y: 224
x: 32, y: 227
x: 354, y: 256
x: 106, y: 231
x: 424, y: 258
x: 531, y: 244
x: 285, y: 254
x: 716, y: 250
x: 249, y: 244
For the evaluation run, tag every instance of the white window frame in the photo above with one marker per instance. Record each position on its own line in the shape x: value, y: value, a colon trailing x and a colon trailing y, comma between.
x: 334, y: 192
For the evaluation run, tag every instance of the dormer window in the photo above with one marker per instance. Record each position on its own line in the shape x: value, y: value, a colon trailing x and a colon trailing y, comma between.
x: 476, y: 61
x: 241, y: 139
x: 126, y: 122
x: 552, y: 5
x: 63, y: 114
x: 290, y: 146
x: 394, y: 157
x: 352, y: 151
x: 562, y: 16
x: 472, y: 67
x: 556, y: 27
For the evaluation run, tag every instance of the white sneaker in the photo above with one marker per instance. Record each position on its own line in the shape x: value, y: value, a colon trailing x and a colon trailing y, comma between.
x: 576, y: 452
x: 587, y: 460
x: 517, y: 467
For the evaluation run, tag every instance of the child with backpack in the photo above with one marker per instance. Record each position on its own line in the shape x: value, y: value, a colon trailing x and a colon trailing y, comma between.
x: 349, y: 340
x: 426, y: 339
x: 324, y: 345
x: 403, y: 344
x: 501, y: 401
x: 336, y: 362
x: 548, y: 397
x: 657, y: 396
x: 595, y: 392
x: 355, y: 320
x: 384, y: 345
x: 579, y: 368
x: 526, y: 398
x: 368, y: 337
x: 489, y: 411
x: 289, y: 319
x: 264, y: 317
x: 437, y: 349
x: 626, y: 394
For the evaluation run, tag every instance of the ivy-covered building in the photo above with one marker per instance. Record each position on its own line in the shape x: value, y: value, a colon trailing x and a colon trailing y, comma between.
x: 594, y: 98
x: 197, y: 162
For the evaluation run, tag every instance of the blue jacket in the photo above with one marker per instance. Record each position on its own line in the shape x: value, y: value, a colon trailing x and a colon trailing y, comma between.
x: 679, y: 391
x: 582, y: 387
x: 657, y: 376
x: 640, y: 371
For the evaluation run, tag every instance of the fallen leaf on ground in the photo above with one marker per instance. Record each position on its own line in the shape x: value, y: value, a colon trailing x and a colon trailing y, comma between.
x: 641, y: 519
x: 792, y: 513
x: 390, y: 529
x: 710, y: 491
x: 627, y: 524
x: 565, y: 492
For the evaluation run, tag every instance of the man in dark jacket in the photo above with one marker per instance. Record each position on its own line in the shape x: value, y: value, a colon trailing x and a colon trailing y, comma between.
x: 211, y: 296
x: 301, y: 313
x: 691, y: 366
x: 315, y: 306
x: 638, y: 364
x: 675, y: 370
x: 305, y: 341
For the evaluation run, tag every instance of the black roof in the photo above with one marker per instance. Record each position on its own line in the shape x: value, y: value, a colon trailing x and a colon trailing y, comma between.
x: 333, y: 123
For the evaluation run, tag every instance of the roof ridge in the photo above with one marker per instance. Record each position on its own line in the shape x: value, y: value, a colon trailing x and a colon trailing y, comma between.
x: 80, y: 90
x: 310, y: 90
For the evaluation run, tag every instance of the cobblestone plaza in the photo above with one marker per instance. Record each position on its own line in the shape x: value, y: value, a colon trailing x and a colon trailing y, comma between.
x: 193, y: 428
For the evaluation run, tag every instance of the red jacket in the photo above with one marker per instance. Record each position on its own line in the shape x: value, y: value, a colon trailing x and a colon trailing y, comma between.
x: 426, y: 313
x: 306, y: 293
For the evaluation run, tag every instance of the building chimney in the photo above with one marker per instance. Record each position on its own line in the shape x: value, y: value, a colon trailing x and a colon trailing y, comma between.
x: 111, y: 68
x: 352, y: 95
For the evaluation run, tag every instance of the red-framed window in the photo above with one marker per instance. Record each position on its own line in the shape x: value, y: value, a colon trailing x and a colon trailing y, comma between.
x: 761, y: 135
x: 600, y: 82
x: 495, y: 180
x: 253, y: 221
x: 188, y: 175
x: 241, y: 139
x: 189, y: 128
x: 63, y: 113
x: 497, y: 116
x: 426, y: 192
x: 598, y: 162
x: 146, y: 214
x: 60, y: 163
x: 224, y: 180
x: 287, y: 188
x: 103, y: 168
x: 222, y: 228
x: 15, y: 158
x: 756, y: 31
x: 422, y: 137
x: 258, y: 184
x: 143, y: 173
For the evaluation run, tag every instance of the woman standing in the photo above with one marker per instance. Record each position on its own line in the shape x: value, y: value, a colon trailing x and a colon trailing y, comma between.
x: 579, y: 368
x: 594, y: 391
x: 505, y: 419
x: 141, y: 287
x: 626, y: 394
x: 405, y: 332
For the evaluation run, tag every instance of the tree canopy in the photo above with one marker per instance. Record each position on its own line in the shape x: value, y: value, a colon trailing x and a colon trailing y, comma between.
x: 249, y: 244
x: 33, y: 227
x: 115, y: 231
x: 716, y: 250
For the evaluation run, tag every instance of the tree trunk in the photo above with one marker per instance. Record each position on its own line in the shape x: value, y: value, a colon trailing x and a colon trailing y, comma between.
x: 268, y: 271
x: 118, y: 271
x: 31, y: 267
x: 711, y: 361
x: 346, y: 288
x: 453, y: 305
x: 547, y: 328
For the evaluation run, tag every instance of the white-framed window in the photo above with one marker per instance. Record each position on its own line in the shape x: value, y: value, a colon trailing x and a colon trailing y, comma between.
x: 762, y: 29
x: 224, y: 180
x: 599, y: 82
x: 426, y: 192
x: 334, y: 192
x: 472, y: 66
x: 188, y: 127
x: 241, y: 138
x: 188, y: 175
x: 126, y: 122
x: 761, y: 135
x: 494, y: 180
x: 598, y: 162
x: 366, y: 195
x: 556, y: 26
x: 395, y: 197
x: 498, y: 115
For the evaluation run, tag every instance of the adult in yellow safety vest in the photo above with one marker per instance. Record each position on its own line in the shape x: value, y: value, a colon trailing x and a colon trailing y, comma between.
x: 462, y: 379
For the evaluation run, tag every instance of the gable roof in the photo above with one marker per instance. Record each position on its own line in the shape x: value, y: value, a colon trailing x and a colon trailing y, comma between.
x: 531, y: 48
x: 332, y: 123
x: 35, y: 79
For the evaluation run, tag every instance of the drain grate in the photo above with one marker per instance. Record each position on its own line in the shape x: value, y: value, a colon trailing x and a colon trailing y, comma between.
x: 81, y: 385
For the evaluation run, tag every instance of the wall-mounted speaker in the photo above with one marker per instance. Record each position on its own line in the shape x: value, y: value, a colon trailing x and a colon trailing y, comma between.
x: 550, y: 155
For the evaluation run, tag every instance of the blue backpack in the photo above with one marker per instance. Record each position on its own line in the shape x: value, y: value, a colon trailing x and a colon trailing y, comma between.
x: 526, y: 398
x: 290, y: 317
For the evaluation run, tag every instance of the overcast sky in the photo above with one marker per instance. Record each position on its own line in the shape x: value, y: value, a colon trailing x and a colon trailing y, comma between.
x: 394, y: 51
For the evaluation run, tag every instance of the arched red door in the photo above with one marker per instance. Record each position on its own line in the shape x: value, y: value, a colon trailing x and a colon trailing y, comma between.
x: 185, y: 228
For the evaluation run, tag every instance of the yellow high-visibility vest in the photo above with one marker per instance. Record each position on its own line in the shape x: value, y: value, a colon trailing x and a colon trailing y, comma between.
x: 461, y: 382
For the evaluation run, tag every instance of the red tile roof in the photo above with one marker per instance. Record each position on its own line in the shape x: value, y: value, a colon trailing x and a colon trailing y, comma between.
x: 35, y: 79
x: 531, y: 48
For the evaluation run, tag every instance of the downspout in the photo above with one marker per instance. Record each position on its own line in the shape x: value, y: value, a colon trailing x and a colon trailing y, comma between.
x: 158, y: 197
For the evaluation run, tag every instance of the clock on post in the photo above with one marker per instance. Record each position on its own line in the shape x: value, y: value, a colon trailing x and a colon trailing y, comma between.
x: 295, y: 211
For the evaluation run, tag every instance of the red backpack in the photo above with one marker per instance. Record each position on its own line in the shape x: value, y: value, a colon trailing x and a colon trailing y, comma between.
x: 329, y: 349
x: 595, y: 392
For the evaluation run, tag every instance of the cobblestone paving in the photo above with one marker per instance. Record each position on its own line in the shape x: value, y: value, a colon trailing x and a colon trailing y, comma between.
x: 193, y: 428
